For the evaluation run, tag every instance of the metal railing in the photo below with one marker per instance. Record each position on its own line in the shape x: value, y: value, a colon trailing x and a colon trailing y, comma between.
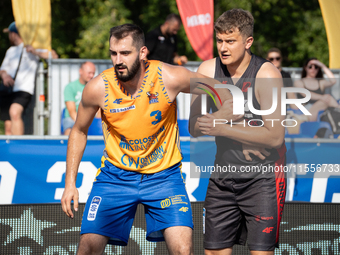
x: 63, y: 71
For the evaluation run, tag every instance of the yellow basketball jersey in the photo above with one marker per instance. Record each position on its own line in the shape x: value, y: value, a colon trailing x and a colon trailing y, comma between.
x: 141, y: 133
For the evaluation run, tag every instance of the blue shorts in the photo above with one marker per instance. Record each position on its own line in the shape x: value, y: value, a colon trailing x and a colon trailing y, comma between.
x: 68, y: 123
x: 112, y: 204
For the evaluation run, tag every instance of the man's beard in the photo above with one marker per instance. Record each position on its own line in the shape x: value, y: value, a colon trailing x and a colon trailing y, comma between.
x: 130, y: 73
x: 168, y: 33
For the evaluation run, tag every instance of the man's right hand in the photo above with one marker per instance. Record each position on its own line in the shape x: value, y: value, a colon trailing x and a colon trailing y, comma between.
x: 259, y: 152
x: 7, y: 80
x: 69, y: 195
x: 226, y: 112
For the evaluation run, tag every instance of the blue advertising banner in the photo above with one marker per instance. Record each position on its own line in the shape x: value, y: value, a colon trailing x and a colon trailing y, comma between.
x: 32, y: 170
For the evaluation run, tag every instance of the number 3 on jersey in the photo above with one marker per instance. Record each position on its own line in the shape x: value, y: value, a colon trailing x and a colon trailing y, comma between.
x: 158, y: 116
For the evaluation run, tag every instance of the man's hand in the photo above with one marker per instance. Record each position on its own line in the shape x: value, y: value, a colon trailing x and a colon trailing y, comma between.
x: 317, y: 63
x: 30, y: 49
x: 7, y: 79
x: 207, y: 125
x: 212, y: 124
x: 69, y: 195
x: 183, y: 59
x: 226, y: 112
x: 259, y: 152
x: 180, y: 60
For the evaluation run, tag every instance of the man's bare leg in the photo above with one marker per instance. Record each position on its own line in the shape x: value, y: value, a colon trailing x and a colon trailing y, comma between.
x: 178, y: 240
x: 262, y: 252
x: 92, y: 244
x: 8, y: 126
x: 226, y: 251
x: 15, y: 112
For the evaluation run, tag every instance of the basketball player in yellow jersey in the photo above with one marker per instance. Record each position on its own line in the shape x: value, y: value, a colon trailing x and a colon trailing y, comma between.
x: 142, y: 159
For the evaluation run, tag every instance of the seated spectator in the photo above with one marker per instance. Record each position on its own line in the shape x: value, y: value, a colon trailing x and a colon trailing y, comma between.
x: 275, y: 57
x: 73, y: 92
x: 312, y: 79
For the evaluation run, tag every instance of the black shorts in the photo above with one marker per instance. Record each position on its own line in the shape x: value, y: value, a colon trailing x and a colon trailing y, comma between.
x: 5, y: 103
x: 20, y: 97
x: 240, y: 210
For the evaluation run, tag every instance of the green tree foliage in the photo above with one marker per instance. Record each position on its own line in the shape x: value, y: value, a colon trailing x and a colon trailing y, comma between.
x: 97, y: 17
x: 296, y: 27
x: 65, y: 27
x: 6, y: 18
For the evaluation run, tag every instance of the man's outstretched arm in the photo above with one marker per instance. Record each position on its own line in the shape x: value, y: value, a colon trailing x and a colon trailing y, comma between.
x: 92, y: 100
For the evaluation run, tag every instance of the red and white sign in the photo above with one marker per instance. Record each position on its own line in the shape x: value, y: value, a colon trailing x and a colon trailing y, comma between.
x: 198, y: 21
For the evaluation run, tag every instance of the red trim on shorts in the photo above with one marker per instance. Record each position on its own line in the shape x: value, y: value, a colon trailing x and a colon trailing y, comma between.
x: 280, y: 187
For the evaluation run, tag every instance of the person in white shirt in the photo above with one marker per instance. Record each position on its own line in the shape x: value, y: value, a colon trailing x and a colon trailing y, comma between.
x: 18, y: 70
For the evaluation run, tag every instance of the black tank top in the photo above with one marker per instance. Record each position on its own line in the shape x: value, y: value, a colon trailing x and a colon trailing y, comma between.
x: 317, y: 91
x: 229, y: 152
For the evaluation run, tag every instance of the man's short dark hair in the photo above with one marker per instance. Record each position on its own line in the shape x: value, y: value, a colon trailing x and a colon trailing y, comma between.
x: 274, y: 50
x: 173, y: 17
x: 122, y: 31
x: 234, y: 19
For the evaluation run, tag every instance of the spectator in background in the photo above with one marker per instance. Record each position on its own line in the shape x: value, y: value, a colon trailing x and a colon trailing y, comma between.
x: 18, y: 70
x: 275, y: 57
x: 162, y: 42
x: 73, y: 92
x: 324, y: 133
x: 312, y: 79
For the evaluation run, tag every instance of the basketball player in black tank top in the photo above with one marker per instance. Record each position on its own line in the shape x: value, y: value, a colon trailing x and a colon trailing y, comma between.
x: 239, y: 206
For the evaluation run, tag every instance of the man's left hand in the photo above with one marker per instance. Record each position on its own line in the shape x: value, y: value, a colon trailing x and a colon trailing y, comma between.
x: 208, y: 125
x: 259, y: 152
x: 30, y: 49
